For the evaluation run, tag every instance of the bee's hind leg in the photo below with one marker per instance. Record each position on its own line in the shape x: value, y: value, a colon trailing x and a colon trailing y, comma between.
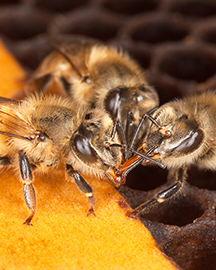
x: 28, y: 188
x: 83, y: 186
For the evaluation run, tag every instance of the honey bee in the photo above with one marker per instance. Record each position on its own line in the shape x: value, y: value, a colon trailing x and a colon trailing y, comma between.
x: 100, y: 76
x: 40, y: 131
x: 182, y: 134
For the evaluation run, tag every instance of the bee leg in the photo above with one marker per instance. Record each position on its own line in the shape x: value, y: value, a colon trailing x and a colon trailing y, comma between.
x: 28, y: 188
x: 83, y: 186
x: 123, y: 139
x: 169, y: 192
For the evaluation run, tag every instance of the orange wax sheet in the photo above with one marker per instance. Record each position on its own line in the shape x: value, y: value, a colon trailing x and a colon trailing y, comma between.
x: 12, y: 75
x: 62, y: 236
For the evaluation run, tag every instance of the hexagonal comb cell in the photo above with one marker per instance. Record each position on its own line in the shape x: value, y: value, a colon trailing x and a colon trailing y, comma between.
x: 86, y: 22
x: 206, y: 31
x: 13, y: 21
x: 192, y: 8
x: 60, y: 5
x: 130, y: 7
x: 188, y: 62
x: 157, y: 28
x: 175, y: 41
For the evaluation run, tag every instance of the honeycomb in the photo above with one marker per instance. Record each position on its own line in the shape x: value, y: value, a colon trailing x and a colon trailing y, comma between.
x: 175, y: 41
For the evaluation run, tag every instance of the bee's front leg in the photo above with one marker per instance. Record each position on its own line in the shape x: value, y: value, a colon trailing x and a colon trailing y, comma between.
x: 28, y: 188
x: 83, y: 186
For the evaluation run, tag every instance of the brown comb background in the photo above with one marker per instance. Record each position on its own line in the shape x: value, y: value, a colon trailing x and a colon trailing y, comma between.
x: 175, y: 40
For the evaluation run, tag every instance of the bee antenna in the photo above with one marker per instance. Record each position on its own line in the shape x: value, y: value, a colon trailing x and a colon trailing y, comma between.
x: 15, y: 136
x: 117, y: 126
x: 109, y: 144
x: 129, y: 117
x: 64, y: 54
x: 146, y: 115
x: 114, y: 130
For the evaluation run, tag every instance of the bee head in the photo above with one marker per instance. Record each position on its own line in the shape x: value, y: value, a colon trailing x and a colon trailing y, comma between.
x: 177, y: 135
x: 128, y: 105
x: 89, y: 142
x: 142, y: 98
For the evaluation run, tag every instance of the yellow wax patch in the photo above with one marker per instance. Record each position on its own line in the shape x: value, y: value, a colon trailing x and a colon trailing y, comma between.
x: 11, y: 74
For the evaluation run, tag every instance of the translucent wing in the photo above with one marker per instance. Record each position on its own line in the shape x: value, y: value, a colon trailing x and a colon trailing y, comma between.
x: 76, y: 50
x: 56, y: 73
x: 73, y: 45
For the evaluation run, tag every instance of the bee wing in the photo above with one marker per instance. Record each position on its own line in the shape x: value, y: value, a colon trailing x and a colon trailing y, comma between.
x: 76, y: 50
x: 72, y: 45
x: 11, y: 124
x: 53, y: 76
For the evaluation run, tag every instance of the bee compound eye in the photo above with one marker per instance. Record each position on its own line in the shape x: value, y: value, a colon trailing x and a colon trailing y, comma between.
x: 191, y: 143
x: 112, y: 103
x: 83, y: 149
